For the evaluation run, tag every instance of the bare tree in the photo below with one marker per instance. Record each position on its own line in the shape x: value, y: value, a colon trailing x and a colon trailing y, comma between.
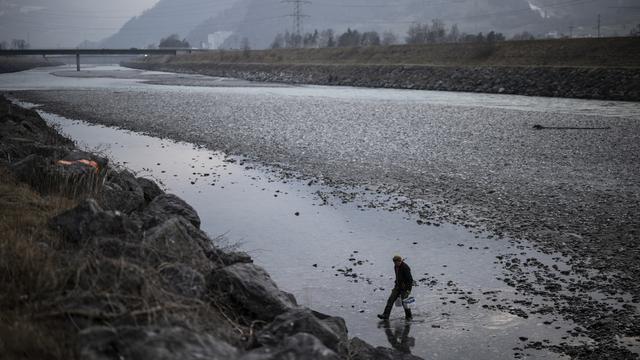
x: 350, y: 38
x: 416, y: 34
x: 437, y: 32
x: 370, y: 38
x: 525, y: 35
x: 3, y: 45
x: 389, y: 38
x: 310, y: 40
x: 245, y: 46
x: 19, y: 44
x: 292, y: 40
x: 493, y: 36
x: 454, y: 34
x: 327, y: 38
x: 173, y: 41
x: 278, y: 42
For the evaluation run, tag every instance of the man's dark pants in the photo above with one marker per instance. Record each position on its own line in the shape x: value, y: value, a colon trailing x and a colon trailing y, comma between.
x: 395, y: 293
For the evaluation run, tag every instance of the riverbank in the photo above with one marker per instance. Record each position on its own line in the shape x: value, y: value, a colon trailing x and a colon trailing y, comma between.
x: 102, y: 264
x: 606, y: 69
x: 584, y: 83
x: 10, y: 64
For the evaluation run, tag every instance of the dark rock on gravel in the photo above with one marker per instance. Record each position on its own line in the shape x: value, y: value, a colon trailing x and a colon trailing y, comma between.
x: 249, y: 288
x: 168, y: 205
x: 122, y: 192
x: 109, y: 275
x: 331, y: 331
x: 171, y: 242
x: 183, y: 280
x: 360, y: 350
x: 30, y: 168
x: 150, y: 189
x: 298, y: 346
x: 88, y: 221
x: 144, y: 343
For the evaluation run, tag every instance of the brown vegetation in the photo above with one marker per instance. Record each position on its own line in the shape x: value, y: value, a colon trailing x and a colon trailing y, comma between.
x: 31, y: 272
x: 41, y: 274
x: 605, y: 52
x: 19, y: 63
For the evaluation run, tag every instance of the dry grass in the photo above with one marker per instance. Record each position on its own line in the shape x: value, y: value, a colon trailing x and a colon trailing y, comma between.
x: 41, y: 275
x: 20, y: 63
x: 30, y: 271
x: 605, y: 52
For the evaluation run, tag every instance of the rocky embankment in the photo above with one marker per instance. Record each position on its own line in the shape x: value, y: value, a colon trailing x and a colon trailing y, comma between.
x: 10, y: 64
x: 569, y: 82
x: 131, y: 275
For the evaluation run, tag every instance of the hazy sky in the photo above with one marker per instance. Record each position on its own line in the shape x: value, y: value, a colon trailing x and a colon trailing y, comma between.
x: 65, y: 23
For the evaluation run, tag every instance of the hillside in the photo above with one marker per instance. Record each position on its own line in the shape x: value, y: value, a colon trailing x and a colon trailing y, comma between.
x: 165, y: 18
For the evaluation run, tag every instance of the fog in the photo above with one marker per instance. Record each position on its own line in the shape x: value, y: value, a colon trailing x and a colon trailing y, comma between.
x: 65, y: 23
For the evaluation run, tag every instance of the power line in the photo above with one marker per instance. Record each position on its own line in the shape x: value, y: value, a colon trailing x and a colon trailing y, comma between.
x: 297, y: 15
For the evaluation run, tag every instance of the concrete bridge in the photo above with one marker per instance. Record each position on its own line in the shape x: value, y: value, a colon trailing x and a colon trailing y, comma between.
x: 78, y: 52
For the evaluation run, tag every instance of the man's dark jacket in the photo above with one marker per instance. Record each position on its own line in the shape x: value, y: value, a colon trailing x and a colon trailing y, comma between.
x: 404, y: 280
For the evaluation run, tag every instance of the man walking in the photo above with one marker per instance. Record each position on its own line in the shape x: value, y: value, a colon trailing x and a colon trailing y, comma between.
x: 402, y: 288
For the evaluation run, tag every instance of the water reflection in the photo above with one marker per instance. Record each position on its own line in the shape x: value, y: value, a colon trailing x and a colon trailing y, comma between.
x: 398, y: 334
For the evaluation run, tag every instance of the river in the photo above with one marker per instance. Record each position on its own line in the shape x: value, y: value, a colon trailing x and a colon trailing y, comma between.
x: 323, y: 204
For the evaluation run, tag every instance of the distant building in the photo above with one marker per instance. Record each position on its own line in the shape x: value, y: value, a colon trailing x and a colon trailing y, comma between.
x: 218, y: 38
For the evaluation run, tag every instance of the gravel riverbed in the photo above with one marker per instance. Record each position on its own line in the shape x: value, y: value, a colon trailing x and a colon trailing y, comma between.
x: 575, y: 191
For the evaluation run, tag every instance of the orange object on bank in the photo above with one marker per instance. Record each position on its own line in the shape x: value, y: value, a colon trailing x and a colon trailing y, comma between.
x: 81, y: 161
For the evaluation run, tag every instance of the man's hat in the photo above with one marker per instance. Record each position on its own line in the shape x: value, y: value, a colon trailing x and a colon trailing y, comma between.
x: 397, y: 258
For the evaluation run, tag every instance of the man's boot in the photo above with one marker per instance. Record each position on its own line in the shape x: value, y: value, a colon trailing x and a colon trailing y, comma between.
x: 407, y: 314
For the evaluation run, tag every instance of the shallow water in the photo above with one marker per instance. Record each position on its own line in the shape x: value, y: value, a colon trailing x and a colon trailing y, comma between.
x: 335, y: 256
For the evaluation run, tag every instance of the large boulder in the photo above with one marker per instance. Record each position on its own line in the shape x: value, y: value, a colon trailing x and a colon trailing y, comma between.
x: 114, y: 248
x: 122, y: 192
x: 166, y: 206
x: 89, y: 221
x: 249, y: 289
x: 19, y: 148
x: 178, y: 241
x: 150, y: 189
x: 183, y: 280
x: 110, y: 276
x: 298, y: 346
x: 360, y: 350
x: 144, y: 343
x: 31, y: 169
x: 331, y: 331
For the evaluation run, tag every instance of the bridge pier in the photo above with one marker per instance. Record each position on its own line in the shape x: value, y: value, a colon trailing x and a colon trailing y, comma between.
x: 77, y: 61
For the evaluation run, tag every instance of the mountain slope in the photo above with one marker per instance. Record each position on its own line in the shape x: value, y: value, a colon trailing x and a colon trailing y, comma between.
x: 165, y: 18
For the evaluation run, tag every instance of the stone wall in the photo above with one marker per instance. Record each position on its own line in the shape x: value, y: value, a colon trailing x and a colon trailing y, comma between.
x: 568, y: 82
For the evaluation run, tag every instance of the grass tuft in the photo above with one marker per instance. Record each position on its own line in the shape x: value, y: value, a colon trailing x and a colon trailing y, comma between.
x: 30, y: 271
